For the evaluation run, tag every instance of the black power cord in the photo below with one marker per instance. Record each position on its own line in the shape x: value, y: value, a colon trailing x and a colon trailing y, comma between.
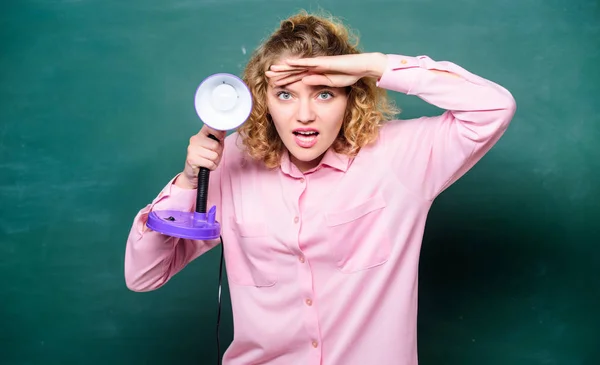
x: 219, y: 307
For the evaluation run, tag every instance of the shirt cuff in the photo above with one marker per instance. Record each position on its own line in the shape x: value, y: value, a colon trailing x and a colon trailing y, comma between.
x: 405, y: 73
x: 410, y: 68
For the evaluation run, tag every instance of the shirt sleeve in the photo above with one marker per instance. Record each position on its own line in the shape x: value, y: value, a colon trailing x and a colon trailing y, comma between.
x: 430, y: 153
x: 152, y: 258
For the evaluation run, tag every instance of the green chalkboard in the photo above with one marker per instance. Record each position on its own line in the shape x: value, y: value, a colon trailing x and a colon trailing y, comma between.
x: 96, y: 108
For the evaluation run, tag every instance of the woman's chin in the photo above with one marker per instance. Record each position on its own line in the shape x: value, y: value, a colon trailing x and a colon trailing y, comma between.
x: 306, y: 154
x: 308, y: 158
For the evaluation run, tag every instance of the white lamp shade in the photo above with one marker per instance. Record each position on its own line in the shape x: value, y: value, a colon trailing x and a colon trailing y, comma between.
x: 223, y: 101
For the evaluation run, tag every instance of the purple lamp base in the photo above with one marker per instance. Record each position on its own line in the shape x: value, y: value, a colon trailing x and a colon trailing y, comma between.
x: 191, y: 225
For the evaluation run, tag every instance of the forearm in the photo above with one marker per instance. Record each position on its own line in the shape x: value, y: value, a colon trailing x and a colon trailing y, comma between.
x: 151, y: 258
x: 148, y: 256
x: 440, y: 149
x: 470, y: 98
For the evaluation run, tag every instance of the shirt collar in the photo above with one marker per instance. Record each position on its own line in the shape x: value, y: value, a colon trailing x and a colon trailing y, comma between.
x: 331, y: 158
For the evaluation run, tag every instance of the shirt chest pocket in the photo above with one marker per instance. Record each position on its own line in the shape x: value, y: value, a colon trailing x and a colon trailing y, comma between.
x: 249, y: 255
x: 359, y: 235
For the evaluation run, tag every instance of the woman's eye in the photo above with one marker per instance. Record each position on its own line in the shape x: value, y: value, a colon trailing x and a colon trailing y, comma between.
x: 283, y: 95
x: 325, y: 95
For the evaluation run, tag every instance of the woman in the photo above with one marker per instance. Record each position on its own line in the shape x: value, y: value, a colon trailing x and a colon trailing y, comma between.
x: 322, y: 202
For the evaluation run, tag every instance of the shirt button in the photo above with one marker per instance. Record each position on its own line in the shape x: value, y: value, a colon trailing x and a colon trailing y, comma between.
x: 315, y: 344
x: 302, y: 180
x: 404, y: 62
x: 308, y: 302
x: 301, y: 259
x: 296, y: 219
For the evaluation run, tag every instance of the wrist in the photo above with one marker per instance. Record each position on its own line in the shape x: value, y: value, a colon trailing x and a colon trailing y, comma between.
x: 377, y: 65
x: 182, y: 182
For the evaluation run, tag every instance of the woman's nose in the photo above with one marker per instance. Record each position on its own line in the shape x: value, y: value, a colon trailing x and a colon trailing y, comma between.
x: 305, y: 112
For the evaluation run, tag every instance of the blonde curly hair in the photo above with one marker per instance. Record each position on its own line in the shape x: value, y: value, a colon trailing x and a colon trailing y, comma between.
x: 309, y: 35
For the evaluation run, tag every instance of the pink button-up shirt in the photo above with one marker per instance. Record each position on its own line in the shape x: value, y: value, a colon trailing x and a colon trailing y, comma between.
x: 322, y: 265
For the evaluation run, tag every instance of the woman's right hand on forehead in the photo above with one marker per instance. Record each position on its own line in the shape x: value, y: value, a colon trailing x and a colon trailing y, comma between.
x: 202, y: 151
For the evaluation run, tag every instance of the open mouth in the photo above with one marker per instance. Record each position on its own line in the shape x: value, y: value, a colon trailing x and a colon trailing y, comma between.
x: 306, y: 139
x: 306, y: 134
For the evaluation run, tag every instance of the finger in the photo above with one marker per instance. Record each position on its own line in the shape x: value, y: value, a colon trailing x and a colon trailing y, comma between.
x: 197, y: 162
x: 220, y: 135
x: 207, y: 154
x: 291, y: 79
x: 210, y: 145
x: 203, y: 141
x: 286, y: 68
x: 306, y: 62
x: 198, y: 154
x: 317, y: 80
x: 276, y: 75
x: 285, y: 80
